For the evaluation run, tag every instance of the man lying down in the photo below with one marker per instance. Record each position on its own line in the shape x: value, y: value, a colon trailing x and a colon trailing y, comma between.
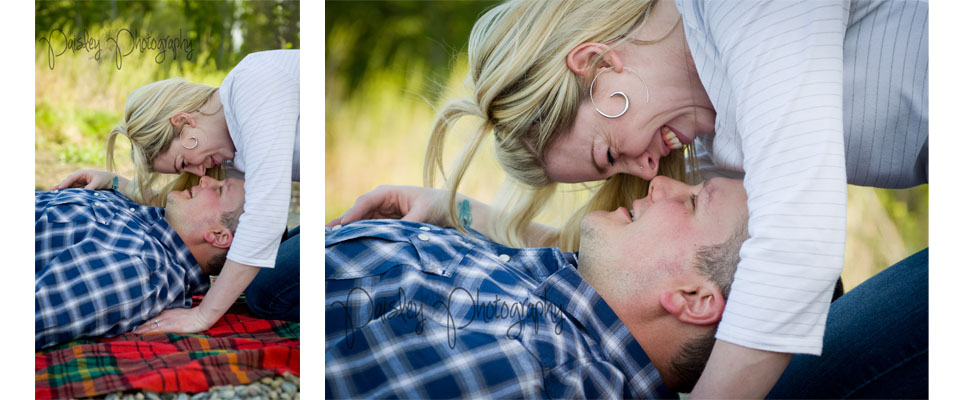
x: 419, y: 311
x: 105, y: 264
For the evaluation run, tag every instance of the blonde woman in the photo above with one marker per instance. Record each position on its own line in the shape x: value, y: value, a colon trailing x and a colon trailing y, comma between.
x: 252, y: 122
x: 799, y: 98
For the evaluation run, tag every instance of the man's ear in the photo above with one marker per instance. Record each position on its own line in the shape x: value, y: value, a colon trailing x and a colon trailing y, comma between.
x: 700, y: 304
x: 578, y: 59
x: 218, y: 236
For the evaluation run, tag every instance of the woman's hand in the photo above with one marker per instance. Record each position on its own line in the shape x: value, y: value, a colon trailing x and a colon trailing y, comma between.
x: 87, y: 179
x: 409, y: 203
x: 179, y: 320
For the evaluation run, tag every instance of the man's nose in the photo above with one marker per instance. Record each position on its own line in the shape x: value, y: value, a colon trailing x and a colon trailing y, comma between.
x: 206, y: 181
x: 662, y: 187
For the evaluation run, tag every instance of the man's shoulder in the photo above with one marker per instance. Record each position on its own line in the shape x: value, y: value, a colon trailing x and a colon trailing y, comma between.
x: 82, y: 196
x: 394, y: 230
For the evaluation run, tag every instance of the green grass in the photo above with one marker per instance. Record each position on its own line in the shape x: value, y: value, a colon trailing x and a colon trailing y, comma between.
x: 81, y: 100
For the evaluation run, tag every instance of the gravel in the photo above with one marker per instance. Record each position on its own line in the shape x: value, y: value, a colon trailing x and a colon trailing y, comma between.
x: 285, y: 387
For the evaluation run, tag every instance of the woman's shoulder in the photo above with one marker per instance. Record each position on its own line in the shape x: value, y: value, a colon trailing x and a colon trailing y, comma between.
x: 272, y: 68
x: 283, y: 59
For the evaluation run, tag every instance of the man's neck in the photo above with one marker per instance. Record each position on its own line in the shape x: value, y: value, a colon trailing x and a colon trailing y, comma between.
x: 659, y: 334
x: 202, y: 251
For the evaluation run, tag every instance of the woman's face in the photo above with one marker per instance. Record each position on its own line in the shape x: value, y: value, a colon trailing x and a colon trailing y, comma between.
x: 199, y: 146
x: 678, y: 110
x: 597, y: 147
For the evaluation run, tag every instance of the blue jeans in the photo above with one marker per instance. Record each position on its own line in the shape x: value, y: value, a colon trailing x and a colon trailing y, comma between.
x: 275, y: 292
x: 875, y: 344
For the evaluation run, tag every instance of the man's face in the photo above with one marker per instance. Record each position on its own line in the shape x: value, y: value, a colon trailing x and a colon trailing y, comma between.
x: 203, y: 204
x: 669, y: 226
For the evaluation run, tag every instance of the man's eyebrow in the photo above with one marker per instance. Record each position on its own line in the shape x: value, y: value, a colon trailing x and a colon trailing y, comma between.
x: 707, y: 193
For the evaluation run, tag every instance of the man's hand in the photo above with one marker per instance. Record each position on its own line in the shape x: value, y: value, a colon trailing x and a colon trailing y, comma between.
x: 179, y: 320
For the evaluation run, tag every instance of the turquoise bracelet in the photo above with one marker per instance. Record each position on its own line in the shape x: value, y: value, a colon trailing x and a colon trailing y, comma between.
x: 115, y: 183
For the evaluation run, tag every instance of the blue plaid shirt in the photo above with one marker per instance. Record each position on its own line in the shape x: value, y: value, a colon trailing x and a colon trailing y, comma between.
x: 105, y: 264
x: 418, y: 311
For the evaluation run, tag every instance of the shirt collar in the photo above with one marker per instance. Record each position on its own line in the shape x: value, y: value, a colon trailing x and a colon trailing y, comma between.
x: 589, y: 312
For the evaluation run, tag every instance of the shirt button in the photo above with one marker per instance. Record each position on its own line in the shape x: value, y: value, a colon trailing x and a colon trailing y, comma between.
x: 423, y: 237
x: 423, y: 228
x: 504, y: 257
x: 338, y: 226
x: 97, y: 204
x: 96, y: 193
x: 133, y: 209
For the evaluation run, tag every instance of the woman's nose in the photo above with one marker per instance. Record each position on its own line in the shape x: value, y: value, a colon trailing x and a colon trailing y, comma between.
x: 197, y: 170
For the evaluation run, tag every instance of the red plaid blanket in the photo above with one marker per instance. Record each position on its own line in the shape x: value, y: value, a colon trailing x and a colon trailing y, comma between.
x: 238, y: 349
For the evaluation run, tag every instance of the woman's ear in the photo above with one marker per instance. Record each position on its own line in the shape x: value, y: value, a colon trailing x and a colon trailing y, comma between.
x: 578, y: 59
x: 698, y: 305
x: 181, y: 118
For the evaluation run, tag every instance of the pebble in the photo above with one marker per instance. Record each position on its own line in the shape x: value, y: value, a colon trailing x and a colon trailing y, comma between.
x: 285, y: 387
x: 292, y: 378
x: 288, y: 387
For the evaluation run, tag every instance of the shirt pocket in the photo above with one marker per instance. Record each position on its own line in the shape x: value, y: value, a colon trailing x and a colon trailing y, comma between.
x: 71, y: 208
x: 357, y: 253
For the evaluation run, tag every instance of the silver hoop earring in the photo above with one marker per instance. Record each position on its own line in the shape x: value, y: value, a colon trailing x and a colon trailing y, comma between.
x: 626, y: 99
x: 195, y: 143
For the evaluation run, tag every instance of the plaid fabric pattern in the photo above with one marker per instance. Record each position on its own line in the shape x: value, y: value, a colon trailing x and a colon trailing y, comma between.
x: 238, y: 349
x: 419, y: 311
x: 104, y: 264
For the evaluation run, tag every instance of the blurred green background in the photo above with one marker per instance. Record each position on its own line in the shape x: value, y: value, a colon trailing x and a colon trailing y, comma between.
x: 81, y: 99
x: 391, y: 64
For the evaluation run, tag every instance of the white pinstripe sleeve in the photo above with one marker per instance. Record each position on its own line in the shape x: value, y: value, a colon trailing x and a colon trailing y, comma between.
x: 784, y: 63
x: 263, y: 103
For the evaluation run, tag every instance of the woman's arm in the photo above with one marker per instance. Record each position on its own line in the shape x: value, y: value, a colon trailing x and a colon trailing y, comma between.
x: 99, y: 180
x: 428, y: 205
x: 739, y: 372
x: 775, y: 73
x: 233, y: 279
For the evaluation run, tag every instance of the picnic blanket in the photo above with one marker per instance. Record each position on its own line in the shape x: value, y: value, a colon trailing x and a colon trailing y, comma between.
x: 238, y: 349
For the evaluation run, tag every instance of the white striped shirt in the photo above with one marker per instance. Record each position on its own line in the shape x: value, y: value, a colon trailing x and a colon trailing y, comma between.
x: 810, y: 95
x: 261, y: 103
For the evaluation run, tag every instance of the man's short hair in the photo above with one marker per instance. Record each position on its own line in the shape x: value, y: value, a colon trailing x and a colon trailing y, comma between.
x: 229, y: 219
x: 717, y: 263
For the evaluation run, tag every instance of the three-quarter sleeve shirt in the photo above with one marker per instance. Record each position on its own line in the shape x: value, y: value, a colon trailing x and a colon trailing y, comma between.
x: 810, y: 96
x: 261, y: 103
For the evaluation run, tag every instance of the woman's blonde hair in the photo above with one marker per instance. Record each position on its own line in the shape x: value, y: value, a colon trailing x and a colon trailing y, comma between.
x: 525, y: 95
x: 146, y: 122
